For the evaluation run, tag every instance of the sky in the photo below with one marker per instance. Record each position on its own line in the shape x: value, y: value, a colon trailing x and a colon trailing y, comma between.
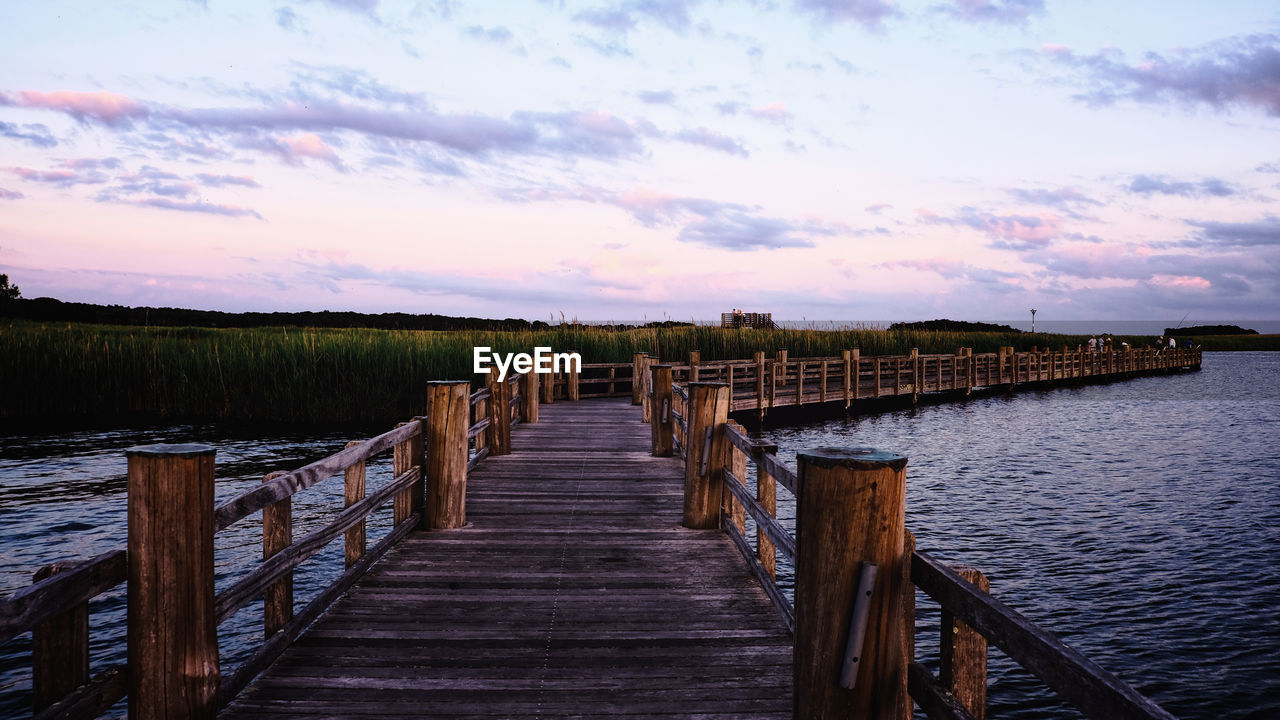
x: 647, y: 159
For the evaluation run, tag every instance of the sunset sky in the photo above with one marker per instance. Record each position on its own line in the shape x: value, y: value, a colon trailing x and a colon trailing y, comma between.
x: 646, y: 159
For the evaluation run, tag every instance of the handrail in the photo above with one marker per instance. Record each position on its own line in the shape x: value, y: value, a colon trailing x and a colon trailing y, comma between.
x: 79, y: 582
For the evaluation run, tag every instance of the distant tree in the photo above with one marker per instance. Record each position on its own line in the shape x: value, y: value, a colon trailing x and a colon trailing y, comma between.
x: 7, y: 291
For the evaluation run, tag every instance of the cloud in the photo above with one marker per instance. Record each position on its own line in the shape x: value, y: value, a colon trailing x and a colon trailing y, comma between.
x: 33, y: 134
x: 498, y: 34
x: 776, y: 113
x: 711, y: 139
x: 294, y: 150
x: 1006, y: 232
x: 1146, y: 185
x: 657, y: 97
x: 58, y: 178
x: 1065, y: 197
x: 627, y: 16
x: 196, y: 207
x: 867, y: 13
x: 952, y: 270
x: 1243, y: 71
x: 223, y: 180
x: 287, y: 19
x: 1008, y: 12
x: 877, y: 208
x: 360, y: 7
x: 1259, y: 233
x: 107, y: 108
x: 7, y: 194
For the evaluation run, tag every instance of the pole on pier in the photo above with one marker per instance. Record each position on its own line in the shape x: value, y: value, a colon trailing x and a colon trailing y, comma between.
x: 529, y: 397
x: 708, y: 410
x: 172, y: 630
x: 447, y: 423
x: 964, y: 653
x: 646, y: 389
x: 851, y: 510
x: 353, y: 492
x: 548, y: 388
x: 277, y: 534
x: 499, y: 414
x: 758, y: 358
x: 695, y: 359
x: 637, y: 377
x: 406, y: 454
x: 59, y: 649
x: 663, y: 426
x: 571, y: 387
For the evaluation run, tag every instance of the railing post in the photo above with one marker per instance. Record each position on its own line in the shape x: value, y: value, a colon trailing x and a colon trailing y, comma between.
x: 59, y: 650
x: 847, y: 393
x: 908, y: 633
x: 277, y: 534
x: 529, y: 397
x: 646, y: 390
x: 548, y: 388
x: 695, y: 359
x: 571, y: 382
x: 708, y: 409
x: 758, y: 357
x: 735, y: 461
x: 637, y: 377
x: 850, y: 510
x: 767, y: 494
x: 172, y: 632
x: 447, y: 424
x: 499, y: 414
x: 916, y: 376
x: 353, y: 492
x: 404, y: 456
x: 964, y: 653
x: 663, y: 424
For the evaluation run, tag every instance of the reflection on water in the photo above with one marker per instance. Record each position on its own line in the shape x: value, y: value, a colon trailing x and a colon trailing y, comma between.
x: 1138, y: 520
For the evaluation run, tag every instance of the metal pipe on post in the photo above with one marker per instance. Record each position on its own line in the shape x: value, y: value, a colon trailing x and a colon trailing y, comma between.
x: 663, y: 424
x: 172, y: 628
x: 851, y: 508
x: 708, y: 409
x: 446, y: 448
x: 499, y: 414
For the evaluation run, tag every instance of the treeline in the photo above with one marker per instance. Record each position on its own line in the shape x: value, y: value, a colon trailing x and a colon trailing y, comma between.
x: 953, y: 326
x: 1209, y: 330
x: 51, y: 310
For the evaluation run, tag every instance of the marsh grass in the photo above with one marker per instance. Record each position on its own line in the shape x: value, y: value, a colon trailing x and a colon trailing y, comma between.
x: 76, y: 372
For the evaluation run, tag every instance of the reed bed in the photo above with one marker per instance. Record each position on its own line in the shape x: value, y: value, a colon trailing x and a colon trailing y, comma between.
x: 80, y: 372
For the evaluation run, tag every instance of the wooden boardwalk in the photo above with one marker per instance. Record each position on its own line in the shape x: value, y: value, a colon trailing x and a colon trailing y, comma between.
x: 574, y: 592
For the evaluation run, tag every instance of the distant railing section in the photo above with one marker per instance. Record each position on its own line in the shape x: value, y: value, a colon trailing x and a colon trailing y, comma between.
x: 168, y: 563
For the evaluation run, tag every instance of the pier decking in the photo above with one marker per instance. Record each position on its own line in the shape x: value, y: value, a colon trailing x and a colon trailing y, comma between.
x: 573, y: 592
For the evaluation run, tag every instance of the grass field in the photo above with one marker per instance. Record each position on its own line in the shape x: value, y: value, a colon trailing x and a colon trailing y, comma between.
x: 77, y: 372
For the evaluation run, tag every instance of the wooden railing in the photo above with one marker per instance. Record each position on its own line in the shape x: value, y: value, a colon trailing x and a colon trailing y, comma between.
x: 168, y: 562
x: 850, y: 511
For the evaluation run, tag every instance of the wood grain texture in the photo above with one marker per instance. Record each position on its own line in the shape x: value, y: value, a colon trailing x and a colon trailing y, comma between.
x: 448, y: 409
x: 963, y: 666
x: 703, y: 485
x: 59, y: 650
x: 573, y: 593
x: 75, y: 584
x: 277, y: 535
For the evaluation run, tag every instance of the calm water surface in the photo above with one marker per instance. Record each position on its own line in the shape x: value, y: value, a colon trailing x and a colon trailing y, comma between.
x: 1139, y: 520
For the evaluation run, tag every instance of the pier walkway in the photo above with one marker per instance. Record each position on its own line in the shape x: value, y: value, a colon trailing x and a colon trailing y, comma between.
x: 573, y: 591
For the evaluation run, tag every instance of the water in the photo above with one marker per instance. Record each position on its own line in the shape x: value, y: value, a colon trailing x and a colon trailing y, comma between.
x: 1138, y: 520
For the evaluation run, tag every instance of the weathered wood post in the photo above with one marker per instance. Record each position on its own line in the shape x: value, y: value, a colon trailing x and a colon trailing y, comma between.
x: 529, y: 397
x: 352, y: 493
x: 59, y: 649
x: 851, y: 510
x: 767, y: 494
x: 172, y: 631
x: 964, y: 653
x: 499, y: 414
x: 548, y: 388
x: 847, y: 393
x: 637, y: 377
x: 695, y: 359
x: 447, y: 424
x: 708, y: 410
x: 277, y: 534
x: 404, y: 457
x: 646, y: 390
x: 916, y: 376
x: 663, y: 424
x: 758, y: 358
x: 779, y: 371
x: 735, y: 461
x: 571, y: 381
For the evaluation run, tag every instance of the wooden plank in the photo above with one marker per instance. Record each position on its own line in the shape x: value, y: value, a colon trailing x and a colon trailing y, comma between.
x: 90, y: 699
x: 77, y: 583
x: 1077, y: 680
x: 932, y: 698
x: 778, y: 534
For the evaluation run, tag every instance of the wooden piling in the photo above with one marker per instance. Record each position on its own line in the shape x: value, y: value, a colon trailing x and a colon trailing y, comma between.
x: 735, y: 461
x: 171, y: 627
x: 708, y: 409
x: 964, y: 653
x: 352, y: 493
x: 851, y: 508
x: 404, y: 456
x: 499, y: 414
x: 277, y: 535
x: 758, y: 357
x: 529, y: 385
x: 646, y: 390
x: 767, y: 494
x: 637, y: 377
x: 846, y: 356
x: 447, y: 424
x: 663, y: 425
x: 548, y: 387
x: 695, y: 359
x: 59, y: 649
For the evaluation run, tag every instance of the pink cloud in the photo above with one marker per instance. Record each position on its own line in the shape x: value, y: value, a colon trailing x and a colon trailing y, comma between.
x: 293, y: 150
x: 6, y: 194
x: 105, y: 107
x: 773, y: 112
x: 1181, y: 281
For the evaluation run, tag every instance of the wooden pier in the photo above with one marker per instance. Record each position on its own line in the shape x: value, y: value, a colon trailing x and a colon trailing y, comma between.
x: 597, y: 560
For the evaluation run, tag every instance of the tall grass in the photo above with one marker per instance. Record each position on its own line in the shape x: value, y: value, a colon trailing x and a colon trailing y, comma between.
x: 76, y: 372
